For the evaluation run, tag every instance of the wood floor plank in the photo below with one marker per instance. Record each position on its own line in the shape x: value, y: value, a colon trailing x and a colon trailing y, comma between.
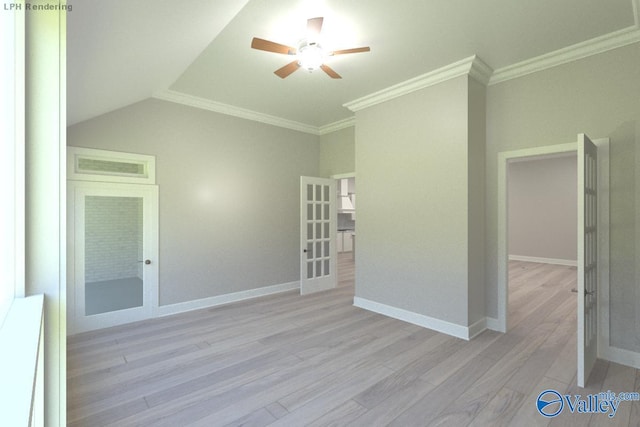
x: 159, y: 378
x: 258, y: 418
x: 619, y: 379
x: 343, y: 415
x: 563, y: 369
x: 423, y: 411
x: 467, y: 406
x: 259, y: 393
x: 402, y: 345
x: 304, y: 395
x: 527, y: 414
x: 251, y: 369
x: 594, y: 385
x: 439, y: 373
x: 634, y: 417
x: 110, y: 415
x: 277, y: 410
x: 500, y: 410
x: 394, y: 404
x: 294, y: 360
x: 138, y: 367
x: 436, y: 342
x: 539, y: 361
x: 322, y: 404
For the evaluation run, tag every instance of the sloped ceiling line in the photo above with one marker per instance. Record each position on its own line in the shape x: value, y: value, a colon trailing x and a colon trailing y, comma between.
x: 230, y: 110
x: 156, y: 41
x: 473, y: 66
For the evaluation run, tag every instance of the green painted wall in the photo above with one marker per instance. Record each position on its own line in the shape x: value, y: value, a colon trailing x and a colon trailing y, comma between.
x: 412, y: 174
x: 599, y: 96
x: 229, y: 194
x: 337, y: 152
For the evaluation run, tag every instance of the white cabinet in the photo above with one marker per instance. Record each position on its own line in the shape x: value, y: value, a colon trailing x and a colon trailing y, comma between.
x: 345, y: 241
x: 346, y: 195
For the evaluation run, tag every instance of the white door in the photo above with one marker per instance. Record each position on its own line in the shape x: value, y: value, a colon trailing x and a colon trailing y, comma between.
x: 317, y: 234
x: 587, y: 258
x: 113, y: 254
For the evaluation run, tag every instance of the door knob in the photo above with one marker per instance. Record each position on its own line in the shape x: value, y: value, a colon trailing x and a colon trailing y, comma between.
x: 146, y: 261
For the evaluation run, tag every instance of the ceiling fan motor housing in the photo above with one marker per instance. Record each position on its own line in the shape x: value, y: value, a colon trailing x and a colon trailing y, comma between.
x: 310, y: 55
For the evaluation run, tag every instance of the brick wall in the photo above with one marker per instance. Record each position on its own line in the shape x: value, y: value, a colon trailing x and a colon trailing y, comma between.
x: 113, y: 238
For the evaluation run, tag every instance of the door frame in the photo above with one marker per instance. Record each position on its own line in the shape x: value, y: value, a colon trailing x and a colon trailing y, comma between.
x: 501, y: 323
x: 75, y: 267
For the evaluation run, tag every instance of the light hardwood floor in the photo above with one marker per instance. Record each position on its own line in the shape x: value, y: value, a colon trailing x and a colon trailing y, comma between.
x: 287, y: 360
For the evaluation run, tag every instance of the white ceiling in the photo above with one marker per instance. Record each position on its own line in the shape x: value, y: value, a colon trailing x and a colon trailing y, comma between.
x: 120, y: 52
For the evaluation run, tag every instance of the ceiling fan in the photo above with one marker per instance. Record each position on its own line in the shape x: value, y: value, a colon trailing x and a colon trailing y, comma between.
x: 309, y: 54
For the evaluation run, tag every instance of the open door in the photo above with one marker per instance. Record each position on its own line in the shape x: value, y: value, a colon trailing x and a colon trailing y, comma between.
x: 317, y: 234
x: 587, y: 257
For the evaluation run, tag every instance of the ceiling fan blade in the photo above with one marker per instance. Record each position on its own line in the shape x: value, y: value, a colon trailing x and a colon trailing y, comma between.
x: 354, y: 50
x: 269, y: 46
x: 287, y: 69
x: 314, y: 25
x: 330, y: 72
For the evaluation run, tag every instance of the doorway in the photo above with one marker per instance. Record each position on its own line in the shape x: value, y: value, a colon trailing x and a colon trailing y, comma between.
x: 113, y: 254
x: 542, y: 233
x: 346, y: 228
x: 592, y: 218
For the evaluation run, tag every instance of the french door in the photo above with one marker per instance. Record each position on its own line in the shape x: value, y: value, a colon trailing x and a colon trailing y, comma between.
x: 587, y: 257
x: 318, y: 231
x: 113, y: 254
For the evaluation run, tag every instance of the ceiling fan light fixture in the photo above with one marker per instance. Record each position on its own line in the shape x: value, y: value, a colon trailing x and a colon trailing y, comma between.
x: 310, y: 56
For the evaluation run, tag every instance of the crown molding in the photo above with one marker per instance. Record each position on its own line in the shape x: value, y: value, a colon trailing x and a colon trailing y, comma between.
x: 577, y: 51
x: 336, y: 126
x: 480, y: 71
x: 230, y: 110
x: 472, y: 66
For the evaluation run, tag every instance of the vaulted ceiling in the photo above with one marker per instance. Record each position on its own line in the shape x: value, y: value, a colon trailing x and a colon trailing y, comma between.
x: 121, y: 52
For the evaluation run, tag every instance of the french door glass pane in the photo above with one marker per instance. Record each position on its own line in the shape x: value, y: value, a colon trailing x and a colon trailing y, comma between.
x: 310, y: 270
x: 318, y: 218
x: 113, y: 253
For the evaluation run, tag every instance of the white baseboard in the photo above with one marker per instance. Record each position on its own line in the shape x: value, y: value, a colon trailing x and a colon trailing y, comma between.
x: 557, y: 261
x: 477, y: 328
x: 464, y: 332
x: 621, y: 356
x: 494, y: 324
x: 181, y: 307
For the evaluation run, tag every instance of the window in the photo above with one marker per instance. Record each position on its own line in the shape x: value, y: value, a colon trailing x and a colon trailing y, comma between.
x: 11, y: 159
x: 88, y: 164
